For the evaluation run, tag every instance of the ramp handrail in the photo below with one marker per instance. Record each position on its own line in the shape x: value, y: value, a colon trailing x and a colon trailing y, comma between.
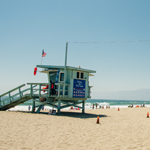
x: 11, y: 98
x: 12, y: 90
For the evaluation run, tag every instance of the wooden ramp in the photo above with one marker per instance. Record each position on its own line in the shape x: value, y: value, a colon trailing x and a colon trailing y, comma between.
x: 15, y: 102
x: 7, y: 100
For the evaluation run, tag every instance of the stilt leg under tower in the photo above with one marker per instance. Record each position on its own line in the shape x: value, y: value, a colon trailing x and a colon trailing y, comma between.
x: 83, y: 105
x: 33, y: 106
x: 59, y: 104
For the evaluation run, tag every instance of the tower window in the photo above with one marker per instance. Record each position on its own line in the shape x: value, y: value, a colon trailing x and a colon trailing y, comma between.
x: 61, y: 76
x: 80, y: 75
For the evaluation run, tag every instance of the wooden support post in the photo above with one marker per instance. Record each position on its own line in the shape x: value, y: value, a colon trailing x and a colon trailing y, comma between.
x: 31, y: 90
x: 39, y: 90
x: 0, y: 103
x: 33, y: 107
x: 64, y: 90
x: 9, y: 97
x: 58, y: 90
x: 40, y: 107
x: 49, y: 90
x: 83, y: 106
x: 59, y: 104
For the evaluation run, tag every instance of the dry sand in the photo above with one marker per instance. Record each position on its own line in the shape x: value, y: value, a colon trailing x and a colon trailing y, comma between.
x: 128, y: 128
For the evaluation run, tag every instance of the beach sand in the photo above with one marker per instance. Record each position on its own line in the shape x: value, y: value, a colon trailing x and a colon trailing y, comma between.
x: 128, y: 128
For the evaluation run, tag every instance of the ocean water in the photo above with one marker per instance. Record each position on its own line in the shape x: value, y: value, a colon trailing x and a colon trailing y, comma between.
x: 111, y: 102
x: 118, y: 102
x: 89, y: 104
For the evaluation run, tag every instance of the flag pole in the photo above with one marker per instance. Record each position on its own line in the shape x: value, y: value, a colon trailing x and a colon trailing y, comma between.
x: 42, y: 56
x: 41, y: 60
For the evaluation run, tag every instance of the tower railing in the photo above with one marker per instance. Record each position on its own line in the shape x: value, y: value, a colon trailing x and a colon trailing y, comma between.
x: 60, y: 90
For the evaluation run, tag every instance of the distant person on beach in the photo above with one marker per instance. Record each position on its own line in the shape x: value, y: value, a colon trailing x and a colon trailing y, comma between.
x: 29, y: 107
x: 93, y: 106
x: 96, y: 105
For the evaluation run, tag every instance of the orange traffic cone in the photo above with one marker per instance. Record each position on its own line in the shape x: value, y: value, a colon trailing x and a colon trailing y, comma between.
x: 147, y: 114
x: 118, y: 109
x: 97, y: 120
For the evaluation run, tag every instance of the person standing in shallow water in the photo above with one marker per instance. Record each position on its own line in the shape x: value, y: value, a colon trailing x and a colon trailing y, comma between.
x: 96, y: 105
x: 93, y: 106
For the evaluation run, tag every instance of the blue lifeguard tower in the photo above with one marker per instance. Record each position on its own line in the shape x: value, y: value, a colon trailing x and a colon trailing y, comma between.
x: 67, y: 86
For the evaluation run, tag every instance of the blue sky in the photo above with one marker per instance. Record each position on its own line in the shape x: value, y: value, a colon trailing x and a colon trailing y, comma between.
x: 26, y: 27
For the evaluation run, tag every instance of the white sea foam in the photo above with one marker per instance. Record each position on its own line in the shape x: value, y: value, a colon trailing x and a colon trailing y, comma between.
x: 87, y: 106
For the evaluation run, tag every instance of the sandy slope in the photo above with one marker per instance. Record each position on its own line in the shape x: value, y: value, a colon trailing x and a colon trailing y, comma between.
x: 128, y: 128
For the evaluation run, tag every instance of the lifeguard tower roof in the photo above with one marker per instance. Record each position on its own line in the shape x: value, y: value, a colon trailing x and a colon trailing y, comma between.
x: 48, y: 67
